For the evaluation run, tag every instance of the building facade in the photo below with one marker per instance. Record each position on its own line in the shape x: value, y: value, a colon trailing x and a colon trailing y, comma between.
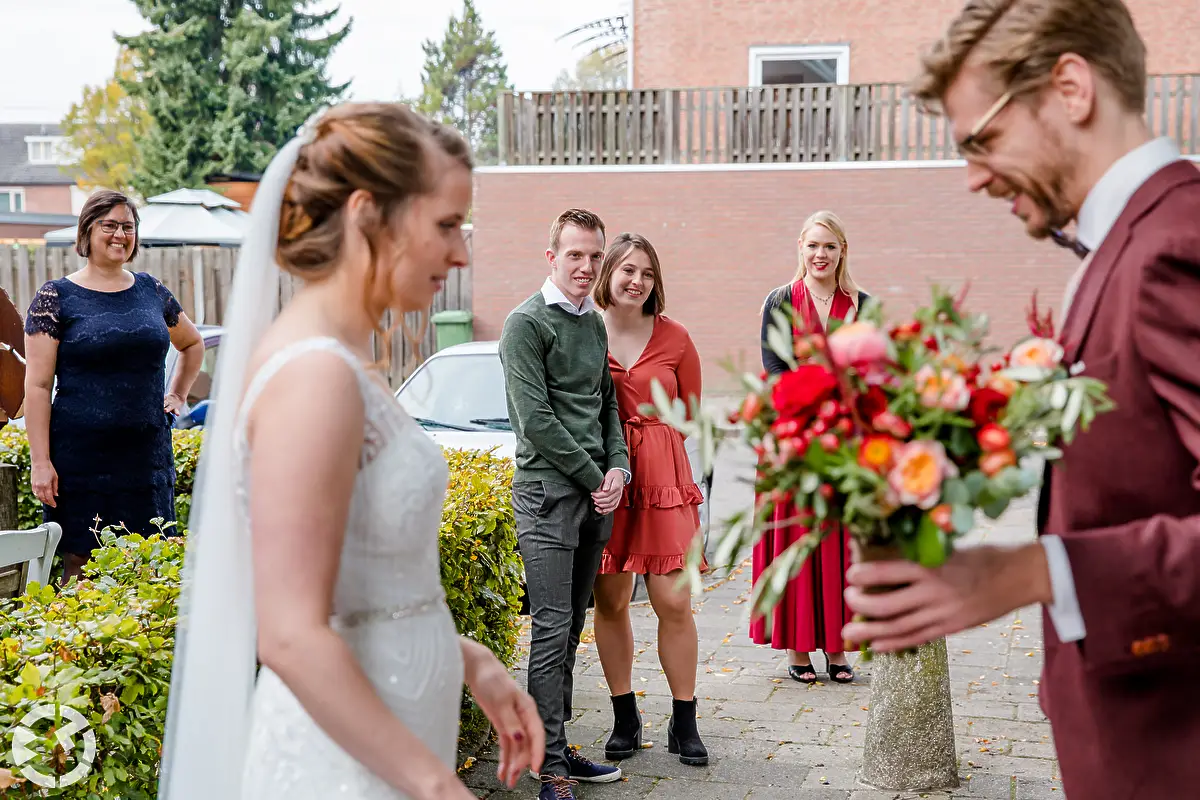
x: 37, y: 189
x: 691, y: 43
x: 748, y: 115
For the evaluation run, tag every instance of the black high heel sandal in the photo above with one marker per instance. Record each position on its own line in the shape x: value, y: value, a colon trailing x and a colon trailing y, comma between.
x: 837, y: 671
x: 804, y: 673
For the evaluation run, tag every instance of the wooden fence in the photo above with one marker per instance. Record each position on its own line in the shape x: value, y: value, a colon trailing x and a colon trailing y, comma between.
x: 763, y: 124
x: 201, y: 279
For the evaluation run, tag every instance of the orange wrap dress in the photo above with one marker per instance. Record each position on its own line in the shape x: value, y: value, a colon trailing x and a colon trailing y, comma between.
x: 659, y: 515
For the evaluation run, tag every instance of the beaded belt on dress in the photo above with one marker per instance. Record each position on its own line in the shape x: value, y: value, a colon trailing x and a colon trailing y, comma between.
x: 352, y: 619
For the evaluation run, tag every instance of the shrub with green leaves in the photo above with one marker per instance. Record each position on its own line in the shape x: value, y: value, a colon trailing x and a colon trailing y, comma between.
x: 482, y: 571
x: 104, y: 646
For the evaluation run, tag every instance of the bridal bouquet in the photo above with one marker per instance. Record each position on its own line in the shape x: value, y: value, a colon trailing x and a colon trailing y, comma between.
x: 900, y: 434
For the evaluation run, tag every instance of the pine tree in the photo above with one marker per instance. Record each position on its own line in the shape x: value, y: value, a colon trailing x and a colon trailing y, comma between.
x: 178, y: 62
x: 463, y: 78
x: 226, y: 82
x: 275, y: 58
x: 107, y: 127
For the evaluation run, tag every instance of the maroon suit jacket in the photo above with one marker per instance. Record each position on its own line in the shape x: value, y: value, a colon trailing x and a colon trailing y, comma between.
x: 1124, y: 702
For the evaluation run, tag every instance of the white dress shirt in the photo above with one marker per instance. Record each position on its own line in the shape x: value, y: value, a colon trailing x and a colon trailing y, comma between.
x: 1100, y: 211
x: 554, y: 297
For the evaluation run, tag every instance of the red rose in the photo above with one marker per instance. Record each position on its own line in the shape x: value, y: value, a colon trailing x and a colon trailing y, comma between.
x: 985, y: 406
x: 799, y: 393
x: 871, y: 403
x: 992, y: 437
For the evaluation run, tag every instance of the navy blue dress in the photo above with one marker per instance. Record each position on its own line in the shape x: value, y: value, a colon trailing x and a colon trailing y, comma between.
x: 110, y: 440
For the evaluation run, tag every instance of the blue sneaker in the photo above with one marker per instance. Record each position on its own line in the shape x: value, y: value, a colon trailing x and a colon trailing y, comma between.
x: 556, y: 788
x: 585, y: 771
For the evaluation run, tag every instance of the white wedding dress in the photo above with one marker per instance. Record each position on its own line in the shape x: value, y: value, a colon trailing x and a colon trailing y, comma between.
x: 388, y: 605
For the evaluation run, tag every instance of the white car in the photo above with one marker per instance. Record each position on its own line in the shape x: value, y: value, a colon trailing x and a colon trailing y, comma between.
x: 458, y: 396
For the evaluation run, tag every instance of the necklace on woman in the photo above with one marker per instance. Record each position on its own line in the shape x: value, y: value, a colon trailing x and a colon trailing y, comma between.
x: 823, y: 300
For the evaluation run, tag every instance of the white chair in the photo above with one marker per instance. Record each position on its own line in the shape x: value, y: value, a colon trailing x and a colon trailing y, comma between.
x: 32, y: 553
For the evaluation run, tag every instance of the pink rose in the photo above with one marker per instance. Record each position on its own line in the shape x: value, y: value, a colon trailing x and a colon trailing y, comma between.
x: 916, y: 478
x: 1045, y: 354
x: 941, y: 387
x: 863, y: 346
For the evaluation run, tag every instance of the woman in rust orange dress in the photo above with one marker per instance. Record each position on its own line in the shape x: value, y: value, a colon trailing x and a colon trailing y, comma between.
x: 812, y: 611
x: 659, y: 514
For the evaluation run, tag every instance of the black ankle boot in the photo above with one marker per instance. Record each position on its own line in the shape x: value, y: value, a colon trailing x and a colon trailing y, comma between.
x: 682, y: 737
x: 626, y: 737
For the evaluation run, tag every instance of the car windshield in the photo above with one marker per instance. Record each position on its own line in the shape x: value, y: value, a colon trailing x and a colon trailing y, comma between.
x: 461, y: 391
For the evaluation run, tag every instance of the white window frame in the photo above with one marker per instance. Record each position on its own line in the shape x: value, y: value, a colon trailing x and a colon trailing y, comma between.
x: 800, y: 52
x: 18, y: 191
x: 59, y: 155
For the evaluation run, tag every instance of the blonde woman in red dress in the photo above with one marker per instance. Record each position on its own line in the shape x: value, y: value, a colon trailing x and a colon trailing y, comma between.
x: 812, y: 611
x: 659, y: 515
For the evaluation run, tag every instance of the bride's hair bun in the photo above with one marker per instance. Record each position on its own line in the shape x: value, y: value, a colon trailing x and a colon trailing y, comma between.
x: 381, y: 148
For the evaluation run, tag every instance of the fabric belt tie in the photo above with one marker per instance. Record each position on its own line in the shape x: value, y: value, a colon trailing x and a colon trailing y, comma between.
x: 633, y: 431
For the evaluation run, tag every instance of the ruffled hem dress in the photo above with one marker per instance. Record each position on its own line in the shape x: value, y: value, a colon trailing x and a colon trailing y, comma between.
x: 659, y: 515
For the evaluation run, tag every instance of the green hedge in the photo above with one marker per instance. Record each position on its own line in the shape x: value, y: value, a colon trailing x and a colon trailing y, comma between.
x: 104, y: 645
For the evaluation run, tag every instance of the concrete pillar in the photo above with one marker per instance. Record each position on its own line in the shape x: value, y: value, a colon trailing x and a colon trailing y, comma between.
x: 910, y: 727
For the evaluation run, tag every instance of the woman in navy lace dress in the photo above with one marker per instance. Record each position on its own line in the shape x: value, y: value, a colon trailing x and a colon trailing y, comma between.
x: 97, y: 340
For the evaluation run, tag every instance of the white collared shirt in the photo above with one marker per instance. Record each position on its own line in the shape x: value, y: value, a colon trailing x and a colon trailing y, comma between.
x: 1100, y: 211
x: 554, y: 297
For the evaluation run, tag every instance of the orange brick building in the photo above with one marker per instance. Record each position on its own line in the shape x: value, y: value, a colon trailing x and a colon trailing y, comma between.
x: 726, y: 229
x: 686, y: 43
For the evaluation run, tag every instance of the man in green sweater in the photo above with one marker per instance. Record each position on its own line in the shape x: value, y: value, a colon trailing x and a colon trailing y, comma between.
x: 571, y: 469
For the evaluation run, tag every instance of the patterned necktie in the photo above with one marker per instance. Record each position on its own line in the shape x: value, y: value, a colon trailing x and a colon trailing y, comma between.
x: 1074, y: 245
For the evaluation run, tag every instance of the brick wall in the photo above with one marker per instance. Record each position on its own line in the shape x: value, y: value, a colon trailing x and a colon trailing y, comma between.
x: 691, y: 43
x: 727, y: 237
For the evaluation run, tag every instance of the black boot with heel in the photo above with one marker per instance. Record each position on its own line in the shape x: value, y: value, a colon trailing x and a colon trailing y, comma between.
x: 626, y: 738
x: 682, y: 737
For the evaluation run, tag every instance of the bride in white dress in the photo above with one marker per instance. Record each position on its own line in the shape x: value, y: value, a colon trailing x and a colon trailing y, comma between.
x: 315, y: 538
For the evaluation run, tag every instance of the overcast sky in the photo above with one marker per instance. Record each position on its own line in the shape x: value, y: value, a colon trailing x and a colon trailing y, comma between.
x: 53, y: 48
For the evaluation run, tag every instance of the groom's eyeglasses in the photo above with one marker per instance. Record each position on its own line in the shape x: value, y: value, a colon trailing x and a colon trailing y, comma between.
x: 970, y: 146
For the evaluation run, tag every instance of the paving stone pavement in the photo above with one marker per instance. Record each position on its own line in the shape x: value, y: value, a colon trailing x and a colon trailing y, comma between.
x: 769, y: 737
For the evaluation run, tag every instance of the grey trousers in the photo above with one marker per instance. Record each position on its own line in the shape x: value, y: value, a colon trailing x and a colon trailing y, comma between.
x: 562, y: 539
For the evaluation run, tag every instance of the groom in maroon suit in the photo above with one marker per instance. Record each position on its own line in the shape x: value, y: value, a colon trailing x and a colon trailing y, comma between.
x: 1046, y: 101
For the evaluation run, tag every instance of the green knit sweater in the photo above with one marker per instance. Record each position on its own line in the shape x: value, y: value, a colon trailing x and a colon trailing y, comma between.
x: 561, y: 399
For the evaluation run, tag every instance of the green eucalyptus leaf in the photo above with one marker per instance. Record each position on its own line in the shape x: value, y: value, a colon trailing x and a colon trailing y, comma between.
x: 996, y: 508
x: 955, y: 492
x: 962, y: 517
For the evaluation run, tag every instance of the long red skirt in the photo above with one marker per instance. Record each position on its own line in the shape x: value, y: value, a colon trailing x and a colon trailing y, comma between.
x: 813, y: 609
